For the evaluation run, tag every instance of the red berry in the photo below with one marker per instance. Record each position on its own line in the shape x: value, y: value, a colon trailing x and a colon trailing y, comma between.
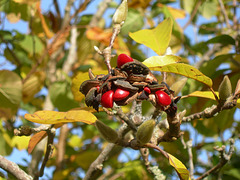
x: 147, y: 90
x: 107, y: 99
x: 122, y: 59
x: 120, y: 94
x: 98, y: 87
x: 163, y: 98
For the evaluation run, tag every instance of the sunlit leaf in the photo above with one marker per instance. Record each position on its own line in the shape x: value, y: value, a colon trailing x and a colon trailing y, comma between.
x: 54, y: 117
x: 206, y: 94
x: 181, y: 170
x: 177, y: 13
x: 10, y: 89
x: 21, y: 142
x: 185, y: 70
x: 157, y: 39
x: 161, y: 60
x: 32, y: 44
x: 78, y: 80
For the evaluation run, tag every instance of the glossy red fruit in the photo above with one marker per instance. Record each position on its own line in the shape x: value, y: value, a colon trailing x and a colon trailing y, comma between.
x: 120, y: 94
x: 122, y: 59
x: 107, y: 99
x: 98, y: 87
x: 163, y: 98
x: 147, y: 90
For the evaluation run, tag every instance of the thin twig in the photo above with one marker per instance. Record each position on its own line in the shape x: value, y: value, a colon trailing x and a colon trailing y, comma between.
x: 224, y: 13
x: 194, y: 12
x: 13, y: 169
x: 225, y: 157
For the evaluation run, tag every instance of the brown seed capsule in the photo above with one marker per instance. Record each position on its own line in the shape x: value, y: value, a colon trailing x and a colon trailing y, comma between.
x: 225, y: 88
x: 145, y: 131
x: 107, y: 133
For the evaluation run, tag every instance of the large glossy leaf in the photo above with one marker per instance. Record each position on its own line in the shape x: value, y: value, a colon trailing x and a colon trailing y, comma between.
x: 223, y: 39
x: 185, y: 70
x: 54, y: 117
x: 10, y: 89
x: 78, y: 80
x: 157, y: 39
x: 182, y: 171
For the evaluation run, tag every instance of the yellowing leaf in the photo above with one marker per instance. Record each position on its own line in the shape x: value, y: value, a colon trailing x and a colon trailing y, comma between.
x: 13, y: 18
x: 157, y: 39
x: 185, y: 70
x: 181, y: 170
x: 78, y: 80
x: 33, y: 85
x: 54, y: 117
x: 10, y: 89
x: 161, y: 60
x: 208, y: 95
x: 21, y: 142
x: 202, y: 94
x: 177, y: 13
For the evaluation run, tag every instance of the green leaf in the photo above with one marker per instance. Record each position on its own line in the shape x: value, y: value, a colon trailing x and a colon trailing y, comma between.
x: 185, y: 70
x: 223, y: 39
x: 181, y: 170
x: 10, y: 89
x: 32, y: 44
x: 157, y: 39
x: 161, y: 60
x: 134, y: 22
x: 61, y: 96
x: 54, y: 117
x: 208, y: 8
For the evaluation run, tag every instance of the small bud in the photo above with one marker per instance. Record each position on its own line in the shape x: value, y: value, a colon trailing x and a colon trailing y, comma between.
x: 121, y: 13
x: 145, y: 131
x: 225, y: 88
x: 107, y: 133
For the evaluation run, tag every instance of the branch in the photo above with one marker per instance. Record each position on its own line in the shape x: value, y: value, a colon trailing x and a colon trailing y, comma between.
x: 225, y: 157
x: 194, y: 12
x: 14, y: 169
x: 212, y: 111
x: 98, y: 163
x: 224, y: 13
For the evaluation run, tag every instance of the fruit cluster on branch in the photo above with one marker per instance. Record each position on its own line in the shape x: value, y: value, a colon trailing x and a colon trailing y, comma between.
x: 130, y: 80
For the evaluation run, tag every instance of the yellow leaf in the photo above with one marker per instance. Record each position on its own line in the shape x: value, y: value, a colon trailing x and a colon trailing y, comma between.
x: 157, y: 39
x: 161, y: 60
x: 21, y: 142
x: 185, y: 70
x: 177, y: 13
x: 208, y: 95
x: 78, y: 80
x: 181, y: 170
x: 54, y: 117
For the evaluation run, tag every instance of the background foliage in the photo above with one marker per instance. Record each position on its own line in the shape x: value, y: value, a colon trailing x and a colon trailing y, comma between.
x: 38, y: 65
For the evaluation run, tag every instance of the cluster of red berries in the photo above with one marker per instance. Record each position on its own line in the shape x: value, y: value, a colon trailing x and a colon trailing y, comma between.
x: 130, y: 80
